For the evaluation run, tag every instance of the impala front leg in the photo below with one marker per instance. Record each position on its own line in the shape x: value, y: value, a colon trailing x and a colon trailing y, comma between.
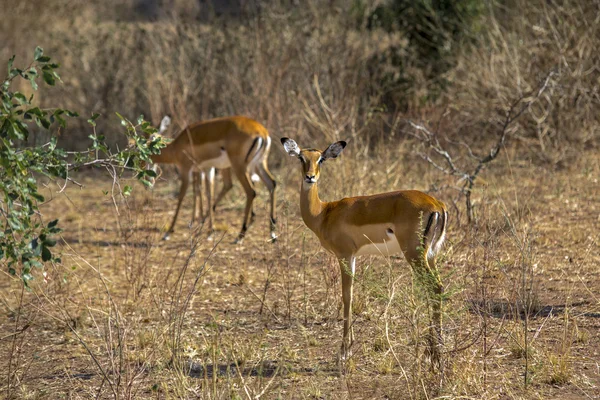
x: 210, y: 191
x: 347, y: 267
x: 185, y: 181
x: 198, y: 214
x: 227, y: 185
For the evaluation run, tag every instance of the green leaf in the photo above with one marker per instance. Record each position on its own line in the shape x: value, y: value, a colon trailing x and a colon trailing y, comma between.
x: 43, y: 59
x: 10, y: 62
x: 38, y: 53
x: 92, y: 120
x: 124, y: 120
x: 49, y: 78
x: 127, y: 190
x: 37, y: 196
x: 49, y: 242
x: 21, y: 98
x: 34, y: 85
x: 53, y: 223
x: 35, y: 111
x: 46, y: 254
x: 14, y: 72
x: 61, y: 121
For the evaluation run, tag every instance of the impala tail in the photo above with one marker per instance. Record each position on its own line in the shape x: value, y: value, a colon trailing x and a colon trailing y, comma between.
x: 435, y: 232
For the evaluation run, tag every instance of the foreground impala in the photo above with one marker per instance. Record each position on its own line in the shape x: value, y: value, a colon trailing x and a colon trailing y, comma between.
x: 407, y: 221
x: 239, y: 143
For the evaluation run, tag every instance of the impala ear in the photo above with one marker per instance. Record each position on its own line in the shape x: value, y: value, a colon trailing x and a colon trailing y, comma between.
x: 164, y: 124
x: 333, y: 150
x: 290, y: 147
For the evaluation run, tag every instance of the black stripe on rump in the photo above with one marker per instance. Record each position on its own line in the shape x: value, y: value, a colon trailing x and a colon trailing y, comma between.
x: 252, y: 147
x: 428, y: 227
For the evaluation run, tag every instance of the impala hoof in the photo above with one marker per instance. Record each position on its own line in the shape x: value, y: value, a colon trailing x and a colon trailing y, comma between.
x: 167, y: 236
x: 345, y: 351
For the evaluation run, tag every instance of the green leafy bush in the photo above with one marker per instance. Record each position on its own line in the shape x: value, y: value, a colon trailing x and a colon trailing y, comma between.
x: 434, y: 29
x: 26, y: 240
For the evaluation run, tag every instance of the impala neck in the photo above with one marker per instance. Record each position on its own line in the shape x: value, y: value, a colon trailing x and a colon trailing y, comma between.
x: 165, y: 156
x: 311, y: 206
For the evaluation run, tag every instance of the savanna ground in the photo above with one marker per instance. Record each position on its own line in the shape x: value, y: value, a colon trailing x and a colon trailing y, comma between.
x: 127, y: 315
x: 264, y: 319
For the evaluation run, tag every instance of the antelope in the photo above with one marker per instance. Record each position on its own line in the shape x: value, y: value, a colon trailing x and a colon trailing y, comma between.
x: 238, y: 143
x: 406, y: 221
x: 200, y: 175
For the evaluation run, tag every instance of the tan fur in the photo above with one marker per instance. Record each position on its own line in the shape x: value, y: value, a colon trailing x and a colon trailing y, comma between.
x: 238, y: 143
x: 387, y: 223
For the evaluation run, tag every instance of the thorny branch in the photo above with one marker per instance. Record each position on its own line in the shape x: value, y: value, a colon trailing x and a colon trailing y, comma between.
x: 467, y: 178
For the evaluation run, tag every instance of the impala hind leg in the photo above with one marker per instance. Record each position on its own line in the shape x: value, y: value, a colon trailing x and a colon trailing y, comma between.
x: 185, y: 181
x: 348, y: 268
x: 437, y: 291
x: 242, y: 175
x: 427, y: 276
x: 269, y: 181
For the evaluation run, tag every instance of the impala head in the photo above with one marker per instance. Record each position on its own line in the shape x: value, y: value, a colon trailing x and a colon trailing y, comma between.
x: 164, y: 125
x: 312, y: 159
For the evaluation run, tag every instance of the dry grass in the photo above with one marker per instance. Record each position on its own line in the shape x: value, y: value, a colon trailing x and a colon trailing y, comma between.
x: 103, y: 322
x: 126, y: 315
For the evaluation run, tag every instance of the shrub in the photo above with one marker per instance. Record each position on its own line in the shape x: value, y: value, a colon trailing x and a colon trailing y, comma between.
x: 26, y: 239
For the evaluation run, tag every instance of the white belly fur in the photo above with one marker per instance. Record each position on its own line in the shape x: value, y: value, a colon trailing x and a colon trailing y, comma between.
x: 220, y: 162
x: 387, y: 248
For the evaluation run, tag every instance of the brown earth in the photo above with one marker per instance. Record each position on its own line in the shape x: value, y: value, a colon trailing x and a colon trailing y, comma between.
x: 264, y: 319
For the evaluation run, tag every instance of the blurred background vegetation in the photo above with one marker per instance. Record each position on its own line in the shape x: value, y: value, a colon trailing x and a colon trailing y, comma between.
x: 314, y: 68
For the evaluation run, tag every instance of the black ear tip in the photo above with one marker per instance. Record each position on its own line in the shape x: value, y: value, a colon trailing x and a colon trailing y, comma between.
x: 284, y: 139
x: 343, y: 143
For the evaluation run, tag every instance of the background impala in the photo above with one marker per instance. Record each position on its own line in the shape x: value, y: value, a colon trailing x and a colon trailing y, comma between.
x: 239, y: 143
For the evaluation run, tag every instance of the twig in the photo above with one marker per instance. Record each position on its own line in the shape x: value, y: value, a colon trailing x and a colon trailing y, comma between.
x: 467, y: 178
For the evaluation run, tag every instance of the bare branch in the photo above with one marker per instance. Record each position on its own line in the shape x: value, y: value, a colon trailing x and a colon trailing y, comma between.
x: 430, y: 139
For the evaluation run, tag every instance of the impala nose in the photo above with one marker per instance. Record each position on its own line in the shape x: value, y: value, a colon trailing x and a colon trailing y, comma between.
x: 310, y: 178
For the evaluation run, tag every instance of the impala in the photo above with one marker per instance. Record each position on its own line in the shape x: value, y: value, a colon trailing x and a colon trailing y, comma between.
x: 239, y: 143
x: 201, y: 175
x: 407, y: 221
